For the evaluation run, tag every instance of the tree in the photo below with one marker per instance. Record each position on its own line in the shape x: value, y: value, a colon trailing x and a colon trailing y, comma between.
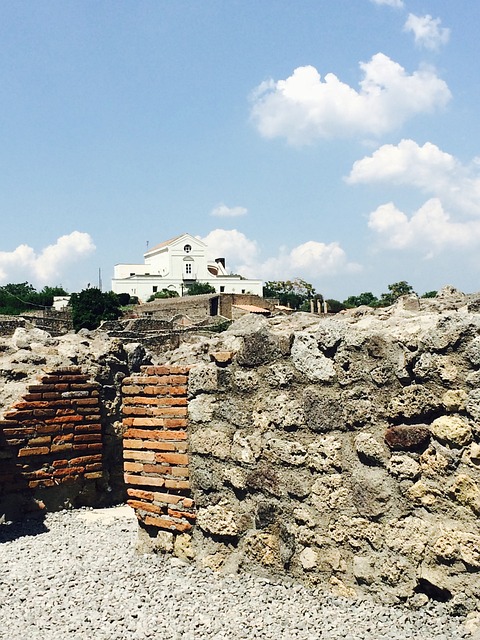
x: 91, y: 307
x: 21, y: 297
x: 197, y: 288
x: 164, y: 293
x: 366, y: 298
x: 334, y: 306
x: 395, y: 291
x: 290, y: 293
x: 430, y: 294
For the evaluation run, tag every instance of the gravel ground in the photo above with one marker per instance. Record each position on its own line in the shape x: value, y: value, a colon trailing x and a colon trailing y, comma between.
x: 76, y: 576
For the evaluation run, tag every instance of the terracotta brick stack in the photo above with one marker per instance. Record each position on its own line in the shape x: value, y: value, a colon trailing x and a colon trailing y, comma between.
x: 155, y: 447
x: 53, y: 435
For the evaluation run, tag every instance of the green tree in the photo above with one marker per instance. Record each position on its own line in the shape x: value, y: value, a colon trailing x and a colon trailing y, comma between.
x: 91, y: 307
x: 365, y: 298
x: 197, y: 288
x: 164, y: 293
x: 430, y: 294
x: 334, y: 306
x: 395, y: 291
x: 290, y: 293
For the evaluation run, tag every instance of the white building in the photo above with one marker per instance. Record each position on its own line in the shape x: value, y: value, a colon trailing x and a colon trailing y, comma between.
x: 176, y: 264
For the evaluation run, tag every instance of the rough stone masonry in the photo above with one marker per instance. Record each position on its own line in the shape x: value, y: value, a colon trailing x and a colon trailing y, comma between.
x: 341, y: 450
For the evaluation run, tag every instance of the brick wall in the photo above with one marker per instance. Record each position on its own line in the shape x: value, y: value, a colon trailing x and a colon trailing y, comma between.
x: 155, y: 448
x: 51, y: 438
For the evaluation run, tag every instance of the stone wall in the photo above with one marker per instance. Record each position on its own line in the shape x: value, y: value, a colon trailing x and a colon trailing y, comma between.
x: 51, y: 445
x: 342, y: 451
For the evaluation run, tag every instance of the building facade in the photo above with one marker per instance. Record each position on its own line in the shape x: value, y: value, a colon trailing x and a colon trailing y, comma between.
x: 175, y: 265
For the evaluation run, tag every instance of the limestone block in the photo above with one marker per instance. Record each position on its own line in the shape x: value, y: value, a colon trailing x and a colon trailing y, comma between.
x: 455, y: 400
x: 466, y: 491
x: 473, y: 351
x: 454, y: 430
x: 246, y: 447
x: 423, y: 494
x: 308, y: 558
x: 218, y: 520
x: 287, y: 451
x: 258, y: 348
x: 202, y: 379
x: 322, y: 410
x: 22, y: 338
x: 446, y: 547
x: 210, y: 441
x: 412, y: 402
x: 280, y: 375
x: 371, y: 492
x: 370, y: 450
x: 331, y: 492
x: 201, y: 409
x: 263, y: 547
x: 473, y: 404
x: 236, y: 477
x: 403, y: 467
x: 340, y: 589
x: 469, y: 545
x: 409, y: 536
x: 182, y: 547
x: 245, y: 381
x: 433, y: 463
x: 364, y: 569
x: 325, y: 454
x: 357, y: 532
x: 164, y: 541
x: 471, y: 455
x: 310, y: 360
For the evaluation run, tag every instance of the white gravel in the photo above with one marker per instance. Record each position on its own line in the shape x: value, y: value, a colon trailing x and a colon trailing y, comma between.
x: 77, y: 577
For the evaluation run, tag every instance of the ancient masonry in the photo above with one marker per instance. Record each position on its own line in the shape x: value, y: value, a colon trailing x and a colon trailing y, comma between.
x: 155, y: 448
x: 50, y: 438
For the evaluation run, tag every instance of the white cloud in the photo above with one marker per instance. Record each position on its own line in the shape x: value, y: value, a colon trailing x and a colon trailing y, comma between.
x: 429, y: 229
x: 390, y: 3
x: 427, y: 168
x: 303, y: 108
x: 310, y: 260
x: 222, y: 211
x: 48, y: 266
x: 427, y: 31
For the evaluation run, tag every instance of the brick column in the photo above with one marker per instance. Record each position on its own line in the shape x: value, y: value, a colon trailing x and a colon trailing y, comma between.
x: 155, y: 448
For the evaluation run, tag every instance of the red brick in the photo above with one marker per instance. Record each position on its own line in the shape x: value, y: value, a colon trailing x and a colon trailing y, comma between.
x: 172, y: 458
x: 173, y: 423
x: 181, y: 514
x: 167, y: 390
x: 164, y: 523
x: 63, y: 438
x: 177, y: 484
x: 146, y: 456
x: 144, y: 506
x: 152, y: 370
x: 35, y: 484
x: 142, y: 495
x: 59, y: 463
x: 41, y: 388
x: 18, y: 416
x: 145, y: 481
x: 44, y: 413
x: 85, y: 402
x: 17, y: 432
x: 155, y: 434
x: 87, y: 437
x: 31, y: 397
x: 88, y: 428
x: 131, y: 389
x: 169, y: 498
x: 68, y: 471
x: 46, y: 440
x: 149, y: 445
x: 93, y: 475
x: 132, y: 467
x: 148, y: 422
x: 88, y: 446
x: 33, y: 451
x: 98, y: 466
x: 177, y: 412
x: 84, y: 460
x: 56, y: 448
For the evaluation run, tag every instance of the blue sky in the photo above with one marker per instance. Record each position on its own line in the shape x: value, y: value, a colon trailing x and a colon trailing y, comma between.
x: 332, y: 140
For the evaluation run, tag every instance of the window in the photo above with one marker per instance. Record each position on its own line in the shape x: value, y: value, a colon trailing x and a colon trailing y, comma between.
x: 188, y: 268
x: 187, y: 248
x: 222, y: 289
x: 155, y: 288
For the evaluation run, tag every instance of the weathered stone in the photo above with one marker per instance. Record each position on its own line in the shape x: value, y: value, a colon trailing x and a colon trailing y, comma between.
x: 371, y: 493
x: 182, y: 547
x: 364, y: 569
x: 246, y: 447
x: 325, y: 454
x: 210, y: 441
x: 218, y: 520
x: 308, y: 558
x: 322, y: 410
x: 423, y: 494
x: 369, y: 450
x: 340, y: 589
x: 330, y: 492
x: 245, y: 381
x: 287, y: 451
x: 202, y: 379
x: 403, y: 467
x: 310, y: 360
x: 466, y: 491
x: 407, y: 437
x: 413, y: 402
x: 222, y: 358
x: 236, y: 477
x: 455, y: 400
x: 201, y: 409
x: 454, y: 430
x: 263, y: 547
x: 258, y: 348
